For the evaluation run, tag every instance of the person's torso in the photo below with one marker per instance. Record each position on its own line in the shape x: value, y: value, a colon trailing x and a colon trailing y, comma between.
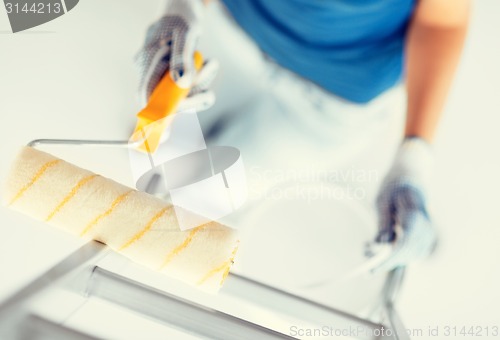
x: 352, y: 48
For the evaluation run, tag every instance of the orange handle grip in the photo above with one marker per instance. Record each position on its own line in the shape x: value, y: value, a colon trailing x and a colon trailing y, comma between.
x: 167, y: 95
x: 164, y: 101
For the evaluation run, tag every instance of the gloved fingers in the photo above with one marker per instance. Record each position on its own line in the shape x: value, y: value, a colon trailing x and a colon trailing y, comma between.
x: 386, y: 218
x: 420, y: 235
x: 200, y: 98
x: 387, y: 227
x: 199, y: 102
x: 153, y: 59
x: 409, y: 198
x: 169, y: 46
x: 205, y: 77
x: 153, y: 72
x: 417, y: 241
x: 181, y: 59
x: 395, y: 200
x: 414, y: 219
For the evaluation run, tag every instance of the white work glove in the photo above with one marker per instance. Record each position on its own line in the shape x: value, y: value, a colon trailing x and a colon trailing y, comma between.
x: 170, y: 44
x: 403, y: 216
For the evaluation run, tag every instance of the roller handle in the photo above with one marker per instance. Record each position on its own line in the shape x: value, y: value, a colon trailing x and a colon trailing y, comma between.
x: 167, y: 95
x: 163, y: 102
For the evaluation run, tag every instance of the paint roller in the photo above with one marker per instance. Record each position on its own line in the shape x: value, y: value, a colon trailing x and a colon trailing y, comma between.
x: 133, y: 223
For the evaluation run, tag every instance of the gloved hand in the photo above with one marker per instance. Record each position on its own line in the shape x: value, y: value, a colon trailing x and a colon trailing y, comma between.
x: 403, y: 217
x: 169, y: 46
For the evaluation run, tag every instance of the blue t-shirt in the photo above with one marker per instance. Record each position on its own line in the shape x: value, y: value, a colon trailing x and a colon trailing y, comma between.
x: 352, y: 48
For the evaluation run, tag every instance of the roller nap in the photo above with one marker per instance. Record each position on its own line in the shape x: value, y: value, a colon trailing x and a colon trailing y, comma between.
x: 136, y: 224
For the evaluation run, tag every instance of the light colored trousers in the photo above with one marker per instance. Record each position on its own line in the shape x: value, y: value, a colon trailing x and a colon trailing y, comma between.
x: 314, y: 162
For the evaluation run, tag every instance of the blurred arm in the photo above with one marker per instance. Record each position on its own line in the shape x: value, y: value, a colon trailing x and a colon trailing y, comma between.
x: 434, y: 43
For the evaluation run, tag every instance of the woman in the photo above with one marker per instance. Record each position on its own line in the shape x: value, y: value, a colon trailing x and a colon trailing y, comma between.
x: 321, y: 82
